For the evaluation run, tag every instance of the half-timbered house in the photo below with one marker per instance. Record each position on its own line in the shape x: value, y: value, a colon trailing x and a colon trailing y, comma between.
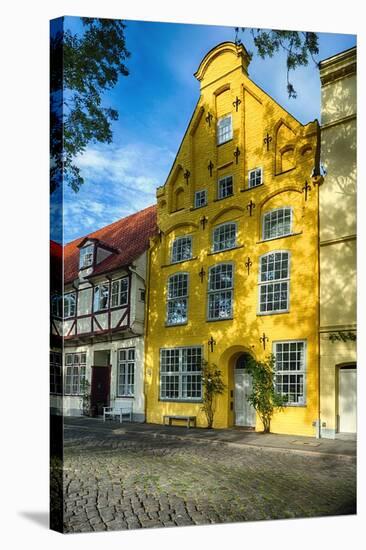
x: 102, y: 319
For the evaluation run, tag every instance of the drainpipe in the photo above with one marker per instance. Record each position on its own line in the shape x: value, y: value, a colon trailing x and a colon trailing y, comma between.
x: 318, y: 174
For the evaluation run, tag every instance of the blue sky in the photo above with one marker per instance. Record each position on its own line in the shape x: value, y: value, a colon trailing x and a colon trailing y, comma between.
x: 155, y: 103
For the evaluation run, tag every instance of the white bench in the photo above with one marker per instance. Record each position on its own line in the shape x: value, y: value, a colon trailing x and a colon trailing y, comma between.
x: 171, y: 417
x: 117, y: 411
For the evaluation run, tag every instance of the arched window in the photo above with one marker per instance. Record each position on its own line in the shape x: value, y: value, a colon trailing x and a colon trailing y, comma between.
x: 277, y: 223
x: 274, y: 281
x: 224, y: 237
x: 177, y: 304
x: 220, y: 292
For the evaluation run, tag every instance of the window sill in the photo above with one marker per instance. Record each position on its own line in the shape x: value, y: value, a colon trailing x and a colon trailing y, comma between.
x: 224, y: 142
x: 277, y: 238
x: 176, y: 325
x: 180, y: 262
x: 297, y: 405
x: 224, y: 250
x: 260, y: 314
x: 198, y: 207
x: 251, y: 188
x: 216, y: 320
x: 125, y: 397
x: 285, y: 171
x: 223, y: 198
x: 192, y: 401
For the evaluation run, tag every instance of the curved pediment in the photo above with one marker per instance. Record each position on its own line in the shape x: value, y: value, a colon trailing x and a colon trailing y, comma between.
x: 227, y: 56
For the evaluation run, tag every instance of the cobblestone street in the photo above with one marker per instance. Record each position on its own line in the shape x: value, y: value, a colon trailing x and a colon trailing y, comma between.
x: 130, y: 481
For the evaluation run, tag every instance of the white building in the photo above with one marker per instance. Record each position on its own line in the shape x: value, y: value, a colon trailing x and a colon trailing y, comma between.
x: 102, y: 319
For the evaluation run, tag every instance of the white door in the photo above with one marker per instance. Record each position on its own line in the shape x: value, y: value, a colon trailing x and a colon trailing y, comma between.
x: 347, y: 400
x: 244, y: 412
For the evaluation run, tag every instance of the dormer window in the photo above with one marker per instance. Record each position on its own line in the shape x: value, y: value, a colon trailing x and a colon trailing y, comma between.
x: 86, y: 256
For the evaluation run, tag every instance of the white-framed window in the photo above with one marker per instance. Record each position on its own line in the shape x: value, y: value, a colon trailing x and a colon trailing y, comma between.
x: 181, y: 249
x: 177, y: 303
x: 86, y: 256
x: 225, y: 187
x: 200, y: 198
x: 224, y: 129
x: 56, y: 305
x: 220, y: 292
x: 69, y: 304
x: 290, y: 366
x: 277, y: 223
x: 274, y: 281
x: 224, y: 237
x: 181, y: 373
x: 101, y: 296
x: 55, y: 372
x: 119, y: 292
x: 126, y: 372
x: 75, y: 366
x: 255, y: 177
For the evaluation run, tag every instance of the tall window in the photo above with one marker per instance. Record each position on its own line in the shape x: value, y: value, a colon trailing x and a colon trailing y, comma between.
x: 255, y: 177
x: 69, y: 304
x: 86, y: 256
x: 119, y: 295
x: 290, y: 371
x: 225, y: 187
x: 55, y: 372
x: 277, y: 223
x: 274, y: 282
x: 224, y: 237
x: 101, y: 295
x: 75, y: 365
x: 182, y: 249
x: 180, y: 373
x: 224, y: 129
x: 200, y: 198
x: 177, y: 299
x: 220, y: 292
x: 126, y: 372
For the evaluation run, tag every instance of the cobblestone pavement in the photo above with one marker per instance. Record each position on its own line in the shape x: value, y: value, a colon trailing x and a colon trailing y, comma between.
x: 131, y: 481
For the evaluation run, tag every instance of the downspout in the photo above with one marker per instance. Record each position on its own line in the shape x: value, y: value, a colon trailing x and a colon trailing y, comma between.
x: 146, y: 322
x: 317, y: 180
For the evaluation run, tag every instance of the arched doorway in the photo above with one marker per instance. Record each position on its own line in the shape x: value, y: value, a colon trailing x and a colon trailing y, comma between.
x: 244, y: 412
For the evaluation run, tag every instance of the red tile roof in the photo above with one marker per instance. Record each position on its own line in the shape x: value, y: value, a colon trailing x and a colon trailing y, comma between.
x: 130, y: 236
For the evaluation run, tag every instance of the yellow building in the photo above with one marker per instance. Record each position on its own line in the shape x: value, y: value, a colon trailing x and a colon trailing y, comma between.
x: 234, y: 271
x: 337, y: 214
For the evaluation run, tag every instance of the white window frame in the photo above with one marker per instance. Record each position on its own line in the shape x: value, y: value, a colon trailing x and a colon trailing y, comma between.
x: 223, y: 136
x: 215, y: 292
x: 275, y: 213
x: 126, y: 369
x: 86, y: 259
x: 181, y: 375
x: 176, y: 300
x: 279, y: 281
x: 199, y: 193
x: 175, y: 259
x: 221, y: 180
x: 117, y: 294
x: 55, y: 373
x: 68, y: 310
x: 217, y: 230
x: 75, y: 373
x: 254, y: 171
x: 291, y: 372
x: 97, y: 301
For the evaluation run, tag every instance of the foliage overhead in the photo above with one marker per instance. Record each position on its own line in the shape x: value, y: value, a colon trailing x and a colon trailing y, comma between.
x: 299, y: 47
x: 82, y: 68
x: 213, y: 386
x: 264, y: 397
